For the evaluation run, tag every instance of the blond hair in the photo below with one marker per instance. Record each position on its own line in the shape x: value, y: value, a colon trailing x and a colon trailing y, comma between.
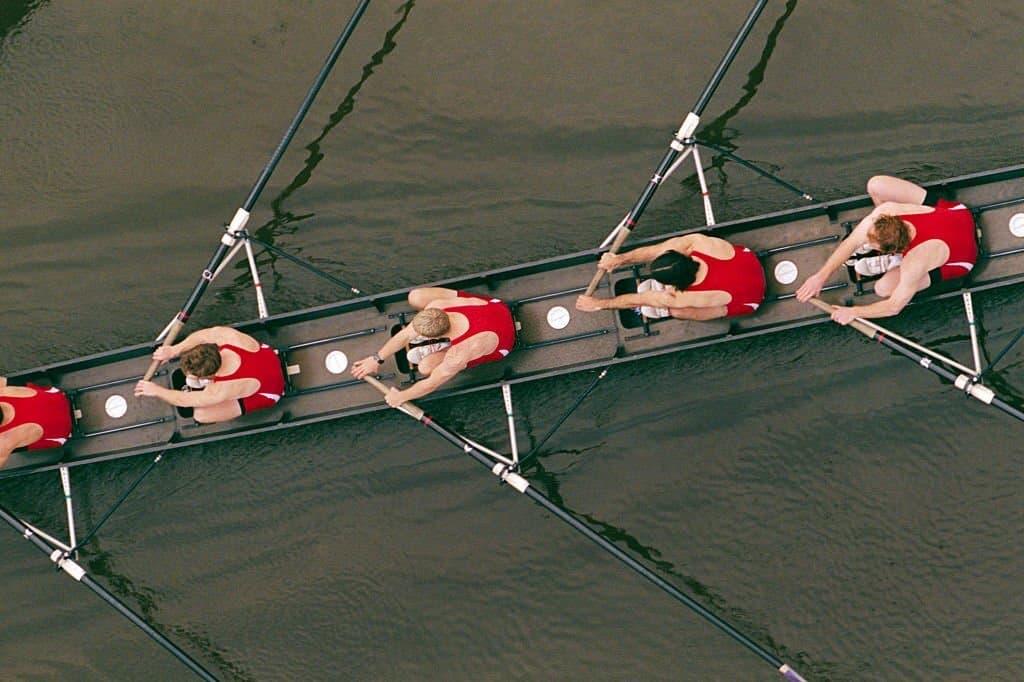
x: 432, y: 322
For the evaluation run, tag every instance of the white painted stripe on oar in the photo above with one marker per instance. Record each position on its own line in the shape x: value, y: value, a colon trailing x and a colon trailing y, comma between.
x: 65, y: 482
x: 506, y: 394
x: 611, y: 235
x: 907, y: 342
x: 791, y: 674
x: 973, y: 328
x: 709, y: 214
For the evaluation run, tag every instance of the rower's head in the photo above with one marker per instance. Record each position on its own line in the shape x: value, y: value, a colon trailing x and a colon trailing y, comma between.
x: 201, y: 361
x: 889, y: 234
x: 674, y: 269
x: 432, y: 323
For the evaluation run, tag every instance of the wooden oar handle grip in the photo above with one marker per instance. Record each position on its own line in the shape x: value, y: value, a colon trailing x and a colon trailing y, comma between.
x: 407, y: 407
x: 594, y: 282
x: 151, y: 371
x: 616, y: 244
x: 856, y: 324
x: 172, y: 333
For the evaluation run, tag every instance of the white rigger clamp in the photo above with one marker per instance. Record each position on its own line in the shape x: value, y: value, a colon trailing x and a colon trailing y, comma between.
x: 508, y: 476
x: 685, y: 131
x: 974, y: 389
x: 69, y: 566
x: 236, y: 225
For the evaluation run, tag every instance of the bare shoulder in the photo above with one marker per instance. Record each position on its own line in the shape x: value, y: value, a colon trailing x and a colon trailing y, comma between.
x: 232, y: 336
x: 456, y: 302
x: 16, y: 391
x: 896, y: 208
x: 457, y: 357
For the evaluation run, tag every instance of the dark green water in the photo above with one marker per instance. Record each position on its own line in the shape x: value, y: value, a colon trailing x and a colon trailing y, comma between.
x: 838, y: 505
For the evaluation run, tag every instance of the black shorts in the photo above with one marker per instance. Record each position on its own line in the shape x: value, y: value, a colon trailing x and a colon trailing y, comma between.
x: 931, y: 197
x: 937, y: 285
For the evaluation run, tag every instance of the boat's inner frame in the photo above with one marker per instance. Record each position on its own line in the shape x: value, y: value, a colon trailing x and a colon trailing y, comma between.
x: 318, y: 345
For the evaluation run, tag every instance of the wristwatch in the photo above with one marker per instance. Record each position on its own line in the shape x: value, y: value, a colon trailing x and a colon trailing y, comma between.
x: 378, y: 358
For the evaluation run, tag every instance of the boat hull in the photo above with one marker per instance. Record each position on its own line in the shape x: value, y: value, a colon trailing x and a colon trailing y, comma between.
x: 318, y: 344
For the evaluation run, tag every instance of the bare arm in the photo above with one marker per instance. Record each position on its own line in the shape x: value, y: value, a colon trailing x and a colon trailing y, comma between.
x: 217, y: 335
x: 657, y: 299
x: 646, y: 254
x: 455, y: 360
x: 368, y: 365
x: 213, y: 394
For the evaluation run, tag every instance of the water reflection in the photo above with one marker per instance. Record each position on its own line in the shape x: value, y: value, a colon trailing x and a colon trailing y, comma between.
x: 284, y: 221
x: 14, y: 14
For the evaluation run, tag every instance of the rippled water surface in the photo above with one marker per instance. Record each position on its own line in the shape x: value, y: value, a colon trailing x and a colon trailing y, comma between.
x: 837, y: 504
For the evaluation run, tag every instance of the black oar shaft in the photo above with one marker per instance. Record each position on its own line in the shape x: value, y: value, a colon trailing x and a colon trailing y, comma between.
x: 261, y: 182
x: 723, y: 66
x: 79, y: 574
x: 965, y: 383
x: 677, y: 145
x: 522, y: 485
x: 241, y: 216
x: 579, y: 401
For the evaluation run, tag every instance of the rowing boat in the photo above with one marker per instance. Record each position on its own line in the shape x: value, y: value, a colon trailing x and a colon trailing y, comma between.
x: 318, y: 344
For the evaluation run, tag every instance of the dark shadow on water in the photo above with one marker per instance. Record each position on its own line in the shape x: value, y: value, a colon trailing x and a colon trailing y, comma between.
x: 718, y: 132
x: 14, y: 14
x: 285, y: 221
x: 652, y: 557
x: 144, y: 601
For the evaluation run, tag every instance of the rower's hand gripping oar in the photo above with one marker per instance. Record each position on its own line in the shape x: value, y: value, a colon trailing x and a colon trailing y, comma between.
x: 237, y: 225
x: 681, y: 140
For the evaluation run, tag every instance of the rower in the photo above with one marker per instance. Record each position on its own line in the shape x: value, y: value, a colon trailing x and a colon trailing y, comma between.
x: 936, y: 240
x: 228, y: 374
x: 477, y: 329
x: 32, y: 417
x: 693, y: 277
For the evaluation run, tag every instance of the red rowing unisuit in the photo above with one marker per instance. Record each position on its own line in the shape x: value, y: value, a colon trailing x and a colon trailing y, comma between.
x: 262, y: 365
x: 741, y: 276
x: 49, y: 408
x: 953, y: 224
x: 495, y: 317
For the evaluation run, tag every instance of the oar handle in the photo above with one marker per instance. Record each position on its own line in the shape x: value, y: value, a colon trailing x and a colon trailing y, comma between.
x: 616, y: 243
x: 407, y: 407
x: 172, y: 333
x: 855, y: 323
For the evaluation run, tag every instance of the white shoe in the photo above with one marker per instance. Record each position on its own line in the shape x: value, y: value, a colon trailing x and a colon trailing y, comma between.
x: 876, y: 265
x: 650, y: 311
x: 197, y: 384
x: 416, y: 354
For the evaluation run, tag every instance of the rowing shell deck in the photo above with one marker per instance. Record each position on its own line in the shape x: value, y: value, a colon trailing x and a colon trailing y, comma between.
x: 318, y: 345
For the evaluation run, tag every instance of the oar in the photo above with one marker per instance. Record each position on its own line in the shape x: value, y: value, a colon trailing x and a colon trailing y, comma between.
x: 241, y: 217
x: 966, y: 383
x: 505, y: 473
x: 678, y: 144
x: 78, y: 573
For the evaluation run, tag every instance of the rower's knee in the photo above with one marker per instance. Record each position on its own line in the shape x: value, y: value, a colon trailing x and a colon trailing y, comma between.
x: 887, y: 284
x: 430, y: 362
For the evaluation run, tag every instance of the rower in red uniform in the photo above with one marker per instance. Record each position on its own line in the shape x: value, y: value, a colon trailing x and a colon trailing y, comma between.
x: 694, y: 277
x: 466, y: 330
x: 935, y: 237
x: 32, y: 417
x: 237, y: 374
